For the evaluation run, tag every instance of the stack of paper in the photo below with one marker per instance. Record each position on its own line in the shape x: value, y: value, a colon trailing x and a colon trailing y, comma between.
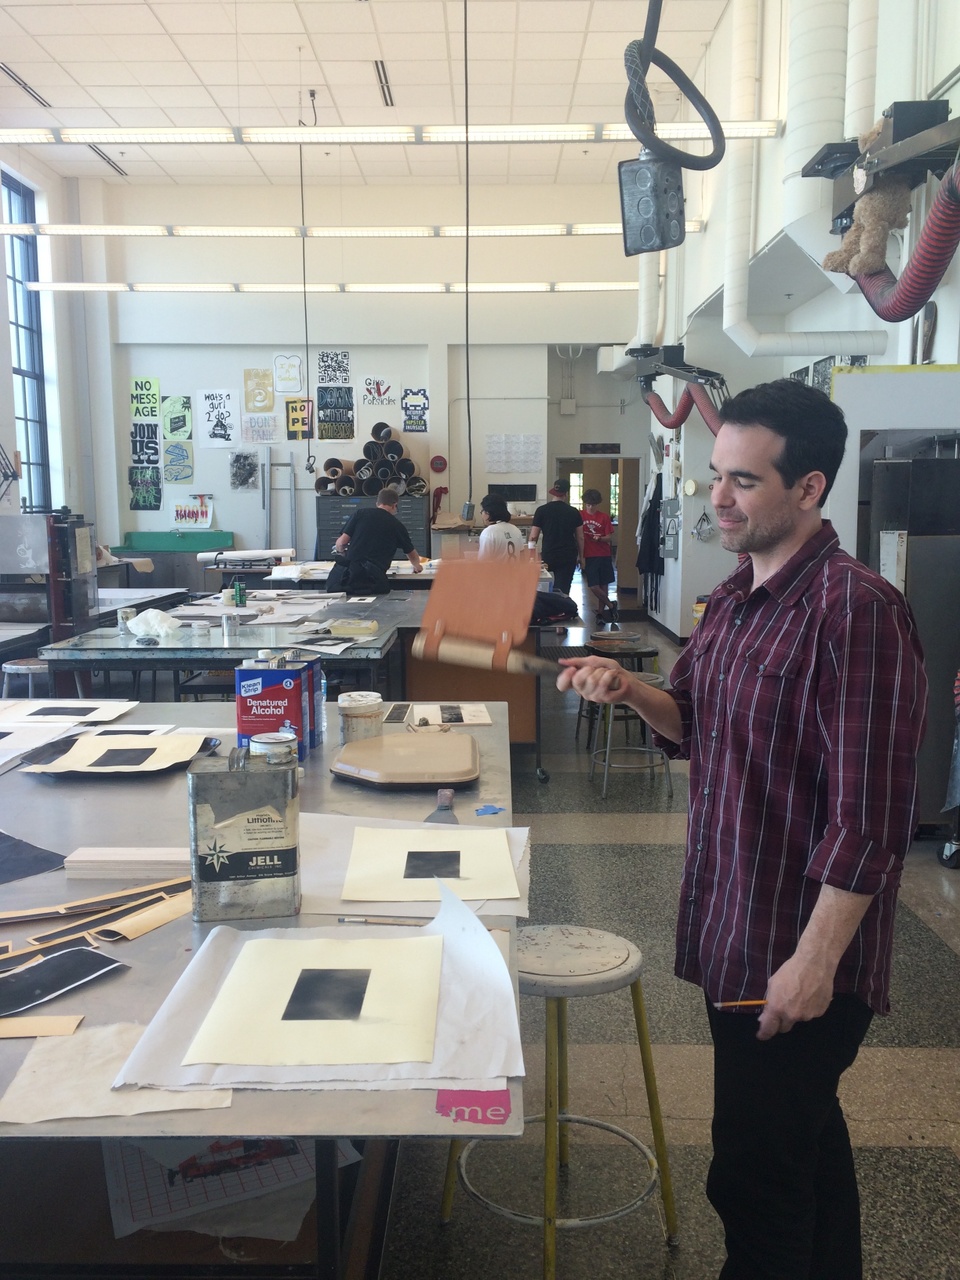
x: 92, y: 862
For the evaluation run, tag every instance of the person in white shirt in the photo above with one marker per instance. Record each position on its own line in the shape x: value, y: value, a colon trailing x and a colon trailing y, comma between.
x: 499, y: 538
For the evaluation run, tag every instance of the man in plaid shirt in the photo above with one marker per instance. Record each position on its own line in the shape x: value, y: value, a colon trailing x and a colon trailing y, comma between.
x: 800, y: 701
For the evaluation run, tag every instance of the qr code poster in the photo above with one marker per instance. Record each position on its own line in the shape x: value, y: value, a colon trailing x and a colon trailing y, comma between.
x: 415, y: 404
x: 333, y: 368
x: 217, y: 424
x: 336, y: 419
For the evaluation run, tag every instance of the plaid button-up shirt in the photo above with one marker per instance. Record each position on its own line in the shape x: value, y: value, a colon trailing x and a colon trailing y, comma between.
x: 803, y: 705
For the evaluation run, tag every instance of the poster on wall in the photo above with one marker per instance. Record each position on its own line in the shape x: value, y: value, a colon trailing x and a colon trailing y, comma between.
x: 415, y: 404
x: 333, y: 368
x: 218, y: 423
x: 335, y: 413
x: 299, y: 419
x: 146, y: 489
x: 177, y: 461
x: 378, y: 393
x: 515, y: 451
x: 193, y: 512
x: 258, y: 390
x: 287, y: 375
x: 244, y: 470
x: 176, y: 417
x: 145, y: 444
x: 145, y: 399
x: 260, y: 428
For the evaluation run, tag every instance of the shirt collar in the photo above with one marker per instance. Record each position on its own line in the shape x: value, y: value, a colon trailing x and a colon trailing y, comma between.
x: 791, y: 580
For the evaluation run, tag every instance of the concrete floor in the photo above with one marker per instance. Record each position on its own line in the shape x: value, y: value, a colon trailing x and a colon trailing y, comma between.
x: 615, y: 864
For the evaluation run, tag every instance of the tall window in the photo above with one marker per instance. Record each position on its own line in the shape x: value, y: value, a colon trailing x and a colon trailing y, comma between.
x: 26, y: 350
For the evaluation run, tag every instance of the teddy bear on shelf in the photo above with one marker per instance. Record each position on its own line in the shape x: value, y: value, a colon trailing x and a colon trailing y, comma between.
x: 885, y: 207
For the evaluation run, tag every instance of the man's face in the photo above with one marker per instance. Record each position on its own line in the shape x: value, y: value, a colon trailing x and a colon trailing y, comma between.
x: 755, y: 512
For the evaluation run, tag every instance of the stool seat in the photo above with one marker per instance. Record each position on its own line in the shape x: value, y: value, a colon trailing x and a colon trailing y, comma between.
x: 31, y: 668
x: 560, y: 960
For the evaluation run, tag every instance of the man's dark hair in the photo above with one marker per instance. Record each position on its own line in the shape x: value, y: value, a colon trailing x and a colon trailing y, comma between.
x: 388, y: 498
x: 592, y: 497
x: 812, y: 426
x: 495, y: 507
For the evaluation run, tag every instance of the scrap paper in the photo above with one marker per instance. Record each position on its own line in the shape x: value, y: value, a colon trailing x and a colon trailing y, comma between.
x: 123, y: 754
x: 51, y: 977
x: 194, y: 1176
x: 72, y: 1078
x: 405, y: 866
x: 31, y: 1027
x: 19, y: 858
x: 327, y: 1001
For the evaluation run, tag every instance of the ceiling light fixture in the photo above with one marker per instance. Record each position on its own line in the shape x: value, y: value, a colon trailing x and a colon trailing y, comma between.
x: 383, y: 82
x: 458, y: 286
x: 324, y: 233
x: 240, y: 232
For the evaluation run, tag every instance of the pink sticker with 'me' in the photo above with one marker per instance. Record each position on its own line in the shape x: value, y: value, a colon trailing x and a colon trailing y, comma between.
x: 474, y: 1106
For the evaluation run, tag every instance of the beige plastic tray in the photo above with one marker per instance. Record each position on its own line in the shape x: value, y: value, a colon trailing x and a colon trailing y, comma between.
x: 410, y: 760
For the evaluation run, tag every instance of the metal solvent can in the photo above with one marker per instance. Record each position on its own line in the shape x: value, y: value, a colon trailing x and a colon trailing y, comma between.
x: 244, y: 834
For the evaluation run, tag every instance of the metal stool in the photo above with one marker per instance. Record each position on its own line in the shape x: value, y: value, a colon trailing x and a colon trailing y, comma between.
x: 630, y: 652
x: 655, y: 756
x: 31, y: 668
x: 559, y: 962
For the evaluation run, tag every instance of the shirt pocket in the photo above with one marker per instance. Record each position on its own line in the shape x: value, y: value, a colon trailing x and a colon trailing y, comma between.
x: 771, y: 663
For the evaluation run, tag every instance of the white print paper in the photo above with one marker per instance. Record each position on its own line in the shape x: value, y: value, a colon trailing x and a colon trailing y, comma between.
x: 288, y: 375
x: 450, y: 713
x: 17, y: 739
x: 63, y: 712
x: 380, y: 863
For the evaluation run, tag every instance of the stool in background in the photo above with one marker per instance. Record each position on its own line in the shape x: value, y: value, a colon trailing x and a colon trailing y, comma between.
x: 655, y: 757
x: 560, y: 962
x: 631, y: 652
x: 31, y: 668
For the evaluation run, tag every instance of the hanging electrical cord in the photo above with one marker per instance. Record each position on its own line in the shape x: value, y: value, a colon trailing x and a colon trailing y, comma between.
x: 638, y: 108
x: 311, y: 462
x: 466, y: 251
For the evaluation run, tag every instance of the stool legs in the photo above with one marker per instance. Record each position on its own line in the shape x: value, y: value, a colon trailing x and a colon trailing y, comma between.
x: 656, y: 1115
x: 551, y: 1127
x: 563, y: 1081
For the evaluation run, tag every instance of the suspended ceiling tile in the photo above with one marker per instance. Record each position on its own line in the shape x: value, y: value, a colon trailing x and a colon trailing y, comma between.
x: 283, y: 47
x: 158, y: 73
x: 598, y: 105
x: 435, y: 72
x: 422, y: 45
x: 336, y: 74
x: 117, y: 19
x: 19, y: 48
x: 492, y: 15
x: 54, y: 19
x: 542, y: 46
x: 355, y: 97
x: 91, y: 74
x: 336, y: 15
x: 409, y: 15
x: 326, y: 48
x: 122, y: 95
x: 275, y: 16
x: 691, y: 15
x: 196, y: 17
x: 487, y: 71
x: 140, y: 117
x: 543, y: 95
x: 220, y: 73
x: 43, y: 74
x: 143, y: 48
x: 182, y: 95
x: 553, y: 72
x: 495, y: 45
x: 607, y: 44
x: 247, y: 95
x: 196, y: 117
x: 76, y: 48
x: 84, y: 118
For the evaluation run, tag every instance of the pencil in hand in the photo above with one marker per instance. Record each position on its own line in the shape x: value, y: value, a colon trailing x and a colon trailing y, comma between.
x: 740, y: 1004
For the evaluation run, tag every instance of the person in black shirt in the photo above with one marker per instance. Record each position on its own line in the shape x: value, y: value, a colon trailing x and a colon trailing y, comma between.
x: 366, y: 548
x: 562, y: 529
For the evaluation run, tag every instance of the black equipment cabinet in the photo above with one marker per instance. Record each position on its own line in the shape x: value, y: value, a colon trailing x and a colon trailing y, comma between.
x: 334, y: 510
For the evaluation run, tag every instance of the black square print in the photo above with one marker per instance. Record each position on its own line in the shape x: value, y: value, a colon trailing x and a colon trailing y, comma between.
x: 116, y: 756
x: 69, y: 709
x: 451, y: 714
x: 324, y: 995
x: 424, y: 864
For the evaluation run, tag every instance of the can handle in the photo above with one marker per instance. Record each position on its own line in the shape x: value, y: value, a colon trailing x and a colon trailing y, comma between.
x: 237, y: 760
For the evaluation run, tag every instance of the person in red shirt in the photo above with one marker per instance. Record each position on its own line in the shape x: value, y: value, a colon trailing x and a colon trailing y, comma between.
x: 800, y: 702
x: 598, y: 554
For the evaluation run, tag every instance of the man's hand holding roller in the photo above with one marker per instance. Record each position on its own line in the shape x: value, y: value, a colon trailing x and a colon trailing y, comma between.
x: 604, y: 680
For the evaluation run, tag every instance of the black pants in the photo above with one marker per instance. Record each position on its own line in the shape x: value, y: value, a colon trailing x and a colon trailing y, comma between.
x: 782, y: 1177
x: 563, y: 571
